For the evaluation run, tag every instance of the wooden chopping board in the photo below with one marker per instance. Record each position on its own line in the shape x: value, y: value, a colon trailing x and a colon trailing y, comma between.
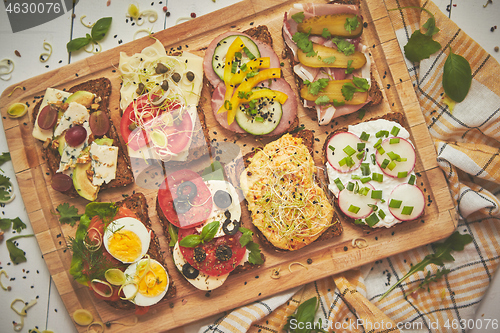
x: 327, y: 258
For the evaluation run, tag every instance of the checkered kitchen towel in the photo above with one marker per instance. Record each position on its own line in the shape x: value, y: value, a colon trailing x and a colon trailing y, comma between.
x: 467, y: 140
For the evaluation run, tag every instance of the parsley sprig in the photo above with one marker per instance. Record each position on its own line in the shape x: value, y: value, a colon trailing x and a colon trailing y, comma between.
x: 68, y: 214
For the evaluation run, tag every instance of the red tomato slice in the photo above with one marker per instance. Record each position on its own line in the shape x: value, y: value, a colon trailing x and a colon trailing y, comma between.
x: 211, y: 265
x: 201, y: 204
x: 178, y: 135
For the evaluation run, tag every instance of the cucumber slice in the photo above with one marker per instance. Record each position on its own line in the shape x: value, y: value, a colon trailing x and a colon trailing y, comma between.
x: 219, y: 57
x: 266, y: 118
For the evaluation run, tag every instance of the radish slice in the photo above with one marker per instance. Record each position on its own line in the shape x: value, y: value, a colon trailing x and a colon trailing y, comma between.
x: 356, y: 205
x: 406, y: 202
x: 339, y: 152
x: 391, y: 166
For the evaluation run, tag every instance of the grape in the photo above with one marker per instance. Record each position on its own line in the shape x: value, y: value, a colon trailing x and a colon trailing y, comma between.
x: 61, y: 182
x: 75, y: 135
x: 99, y: 123
x: 47, y: 117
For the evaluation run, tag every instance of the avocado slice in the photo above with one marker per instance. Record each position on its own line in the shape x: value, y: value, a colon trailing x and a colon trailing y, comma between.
x: 82, y: 97
x: 62, y: 142
x: 104, y: 141
x: 82, y: 183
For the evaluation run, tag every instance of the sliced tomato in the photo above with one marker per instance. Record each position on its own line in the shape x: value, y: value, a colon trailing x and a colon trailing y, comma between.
x: 201, y: 205
x: 212, y: 265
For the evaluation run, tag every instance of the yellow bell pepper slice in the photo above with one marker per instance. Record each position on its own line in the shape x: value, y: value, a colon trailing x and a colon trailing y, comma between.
x: 276, y: 95
x: 236, y: 46
x: 251, y: 65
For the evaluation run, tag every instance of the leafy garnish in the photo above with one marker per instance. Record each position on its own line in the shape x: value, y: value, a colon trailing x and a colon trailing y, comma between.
x: 254, y: 257
x: 246, y: 236
x: 457, y: 77
x: 420, y: 46
x: 351, y: 24
x: 97, y: 33
x: 4, y: 158
x: 68, y: 214
x: 16, y: 254
x: 329, y: 60
x: 428, y: 279
x: 298, y: 17
x: 173, y: 235
x: 5, y: 189
x: 360, y: 85
x: 349, y: 69
x: 302, y: 321
x: 325, y: 33
x: 16, y: 223
x: 431, y: 27
x: 207, y: 234
x: 303, y: 43
x: 322, y: 100
x: 442, y: 253
x: 344, y: 46
x: 214, y: 171
x: 315, y: 87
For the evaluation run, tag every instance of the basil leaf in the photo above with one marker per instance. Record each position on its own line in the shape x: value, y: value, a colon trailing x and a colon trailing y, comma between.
x: 305, y: 314
x: 246, y: 236
x: 78, y: 43
x: 420, y: 47
x: 254, y: 257
x: 190, y: 241
x: 457, y: 77
x: 100, y: 28
x: 208, y: 232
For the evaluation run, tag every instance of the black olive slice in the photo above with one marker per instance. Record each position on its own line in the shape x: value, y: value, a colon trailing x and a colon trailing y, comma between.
x: 187, y: 190
x: 222, y: 199
x: 223, y: 253
x: 189, y: 271
x: 227, y: 214
x: 231, y: 227
x: 199, y: 254
x: 181, y: 205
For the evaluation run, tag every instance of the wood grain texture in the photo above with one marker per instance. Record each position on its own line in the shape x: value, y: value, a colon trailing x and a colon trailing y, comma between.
x: 327, y: 258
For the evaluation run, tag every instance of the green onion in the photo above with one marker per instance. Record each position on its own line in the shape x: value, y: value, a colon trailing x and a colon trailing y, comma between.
x: 360, y: 155
x: 393, y: 156
x: 411, y: 181
x: 350, y: 186
x: 381, y: 150
x: 364, y: 191
x: 378, y: 143
x: 364, y: 136
x: 393, y: 141
x: 385, y: 163
x: 391, y: 165
x: 234, y: 65
x: 228, y: 105
x: 350, y: 161
x: 355, y: 177
x: 349, y: 150
x: 332, y: 148
x: 378, y: 177
x: 237, y: 55
x: 248, y: 53
x: 358, y: 221
x: 395, y: 203
x: 361, y: 113
x: 339, y: 184
x: 361, y: 146
x: 372, y: 206
x: 402, y: 174
x: 381, y: 133
x: 377, y: 194
x: 243, y: 67
x: 365, y: 169
x: 372, y: 156
x: 365, y: 180
x: 407, y: 210
x: 343, y: 161
x: 381, y: 213
x: 353, y: 209
x: 259, y: 119
x: 372, y: 220
x: 395, y: 131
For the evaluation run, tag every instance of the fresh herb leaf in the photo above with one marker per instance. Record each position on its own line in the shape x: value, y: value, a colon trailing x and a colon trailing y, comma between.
x: 315, y: 87
x: 430, y: 25
x: 360, y: 85
x: 191, y: 240
x: 330, y: 60
x: 78, y: 43
x: 100, y: 28
x: 322, y: 100
x: 16, y: 223
x: 325, y: 33
x: 4, y: 158
x: 207, y: 234
x: 420, y: 47
x: 5, y: 189
x: 351, y: 24
x: 442, y: 253
x: 173, y: 235
x: 457, y: 77
x: 246, y: 236
x: 349, y: 69
x: 428, y: 279
x: 255, y: 256
x: 344, y: 46
x: 68, y: 214
x: 4, y: 181
x: 16, y: 254
x: 298, y: 17
x: 214, y: 171
x: 302, y: 321
x: 303, y: 43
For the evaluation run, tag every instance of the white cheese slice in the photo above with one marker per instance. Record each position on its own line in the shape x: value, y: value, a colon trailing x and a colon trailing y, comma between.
x: 51, y: 95
x: 103, y: 161
x: 75, y: 114
x: 70, y: 154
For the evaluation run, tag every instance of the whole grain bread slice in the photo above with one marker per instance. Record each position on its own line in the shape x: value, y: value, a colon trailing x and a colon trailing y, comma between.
x: 335, y: 229
x: 101, y: 87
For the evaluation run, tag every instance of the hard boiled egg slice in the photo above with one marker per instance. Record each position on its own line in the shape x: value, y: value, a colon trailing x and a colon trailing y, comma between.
x: 127, y: 239
x: 148, y: 280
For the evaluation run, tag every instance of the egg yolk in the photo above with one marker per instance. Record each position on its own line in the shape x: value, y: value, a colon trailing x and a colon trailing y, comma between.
x: 154, y: 282
x: 125, y: 246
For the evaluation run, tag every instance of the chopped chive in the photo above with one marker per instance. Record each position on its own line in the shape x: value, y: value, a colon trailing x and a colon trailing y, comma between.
x: 361, y: 114
x: 395, y: 131
x: 407, y: 210
x: 349, y: 150
x: 248, y: 53
x: 355, y: 177
x: 385, y: 163
x: 234, y: 66
x: 381, y: 133
x: 343, y: 161
x: 402, y: 159
x: 372, y: 206
x: 349, y: 161
x: 353, y: 209
x: 393, y: 156
x: 360, y: 155
x: 377, y: 194
x: 378, y: 143
x: 372, y: 220
x: 356, y: 188
x: 350, y: 186
x: 365, y: 169
x: 365, y: 180
x: 411, y: 181
x: 332, y: 148
x: 259, y: 119
x: 339, y: 184
x: 243, y: 67
x: 381, y: 150
x: 402, y: 174
x: 378, y: 177
x: 393, y: 141
x: 374, y: 161
x: 237, y: 55
x: 364, y: 136
x: 395, y: 203
x: 391, y: 165
x: 381, y: 213
x: 361, y: 146
x: 358, y: 221
x: 364, y: 191
x: 228, y: 105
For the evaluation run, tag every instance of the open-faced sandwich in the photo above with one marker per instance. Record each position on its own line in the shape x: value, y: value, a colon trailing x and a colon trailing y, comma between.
x: 81, y: 146
x: 370, y: 166
x: 117, y: 255
x: 159, y: 101
x: 331, y: 65
x: 286, y: 202
x: 249, y: 95
x: 201, y: 216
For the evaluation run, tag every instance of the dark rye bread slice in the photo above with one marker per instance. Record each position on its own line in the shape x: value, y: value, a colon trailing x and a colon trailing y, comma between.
x: 393, y: 116
x: 374, y: 93
x: 138, y: 204
x: 101, y: 87
x: 166, y: 225
x: 335, y: 229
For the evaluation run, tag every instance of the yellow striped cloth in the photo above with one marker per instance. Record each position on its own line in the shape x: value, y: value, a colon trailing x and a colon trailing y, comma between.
x: 467, y: 140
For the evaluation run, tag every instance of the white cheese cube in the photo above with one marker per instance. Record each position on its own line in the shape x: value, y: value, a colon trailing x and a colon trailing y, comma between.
x: 104, y: 159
